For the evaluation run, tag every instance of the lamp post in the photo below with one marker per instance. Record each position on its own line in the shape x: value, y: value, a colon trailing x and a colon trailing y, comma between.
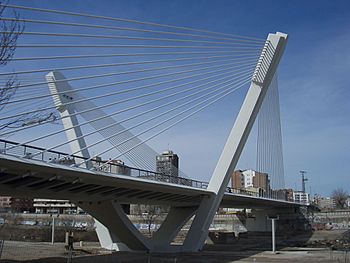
x: 53, y: 215
x: 53, y: 230
x: 273, y: 230
x: 303, y: 180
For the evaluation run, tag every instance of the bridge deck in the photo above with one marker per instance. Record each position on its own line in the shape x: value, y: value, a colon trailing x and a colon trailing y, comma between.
x: 29, y: 177
x: 34, y: 178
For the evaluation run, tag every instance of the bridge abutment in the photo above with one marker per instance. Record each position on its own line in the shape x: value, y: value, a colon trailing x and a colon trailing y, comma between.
x: 289, y: 220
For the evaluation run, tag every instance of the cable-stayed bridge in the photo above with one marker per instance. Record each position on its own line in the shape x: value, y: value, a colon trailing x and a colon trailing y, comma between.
x: 79, y: 100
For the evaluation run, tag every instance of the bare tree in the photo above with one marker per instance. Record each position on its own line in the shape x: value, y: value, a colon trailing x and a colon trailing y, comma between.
x: 30, y: 119
x: 8, y: 90
x: 340, y: 196
x: 150, y: 214
x: 10, y: 32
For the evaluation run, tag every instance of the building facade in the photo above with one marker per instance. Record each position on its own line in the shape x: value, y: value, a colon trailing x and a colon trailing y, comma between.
x: 16, y: 205
x: 250, y: 179
x: 52, y: 206
x: 5, y: 202
x: 289, y: 194
x: 118, y: 167
x: 324, y: 203
x: 301, y: 197
x: 113, y: 166
x: 168, y: 163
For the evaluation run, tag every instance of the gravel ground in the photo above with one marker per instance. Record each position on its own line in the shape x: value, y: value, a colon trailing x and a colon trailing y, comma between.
x: 248, y: 250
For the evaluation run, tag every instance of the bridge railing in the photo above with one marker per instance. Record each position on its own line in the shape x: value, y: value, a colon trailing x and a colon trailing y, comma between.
x: 32, y: 152
x: 269, y: 194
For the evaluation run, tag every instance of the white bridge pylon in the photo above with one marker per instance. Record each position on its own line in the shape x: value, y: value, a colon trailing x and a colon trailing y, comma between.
x: 113, y: 225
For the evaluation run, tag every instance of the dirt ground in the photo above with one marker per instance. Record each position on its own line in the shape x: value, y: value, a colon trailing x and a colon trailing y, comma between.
x: 250, y: 249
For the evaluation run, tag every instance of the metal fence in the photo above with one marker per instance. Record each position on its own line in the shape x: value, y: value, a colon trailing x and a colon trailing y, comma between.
x: 50, y: 156
x: 269, y: 194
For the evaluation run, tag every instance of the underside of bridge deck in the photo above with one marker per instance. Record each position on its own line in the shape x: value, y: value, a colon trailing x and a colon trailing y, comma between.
x: 34, y: 179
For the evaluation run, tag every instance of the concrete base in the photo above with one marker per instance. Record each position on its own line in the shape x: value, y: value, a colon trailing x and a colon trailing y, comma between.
x: 290, y: 219
x: 108, y: 240
x: 259, y: 222
x: 114, y: 227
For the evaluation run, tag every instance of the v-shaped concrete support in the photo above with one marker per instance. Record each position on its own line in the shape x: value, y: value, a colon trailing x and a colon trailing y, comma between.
x: 112, y: 215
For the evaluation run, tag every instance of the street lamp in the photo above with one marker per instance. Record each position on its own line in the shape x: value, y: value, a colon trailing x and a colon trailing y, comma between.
x: 273, y: 230
x: 53, y: 215
x: 303, y: 180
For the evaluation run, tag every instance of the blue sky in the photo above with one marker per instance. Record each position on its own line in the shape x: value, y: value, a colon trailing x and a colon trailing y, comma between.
x: 313, y: 80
